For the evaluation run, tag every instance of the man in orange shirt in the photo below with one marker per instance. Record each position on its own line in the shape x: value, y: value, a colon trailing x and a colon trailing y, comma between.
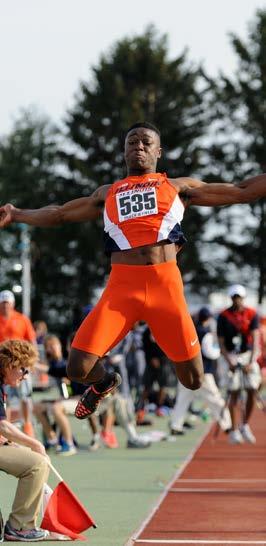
x: 15, y: 325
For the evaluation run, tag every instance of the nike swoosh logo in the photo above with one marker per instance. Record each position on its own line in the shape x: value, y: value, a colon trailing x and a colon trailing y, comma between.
x: 193, y: 342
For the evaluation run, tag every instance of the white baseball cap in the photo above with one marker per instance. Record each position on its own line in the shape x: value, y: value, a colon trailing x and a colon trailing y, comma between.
x: 237, y: 290
x: 7, y: 295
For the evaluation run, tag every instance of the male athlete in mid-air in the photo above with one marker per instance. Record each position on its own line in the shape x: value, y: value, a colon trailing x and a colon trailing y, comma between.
x: 142, y: 223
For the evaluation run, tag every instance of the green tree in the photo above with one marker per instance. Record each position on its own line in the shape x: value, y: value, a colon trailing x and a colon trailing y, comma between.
x: 137, y: 81
x: 31, y: 176
x: 239, y: 152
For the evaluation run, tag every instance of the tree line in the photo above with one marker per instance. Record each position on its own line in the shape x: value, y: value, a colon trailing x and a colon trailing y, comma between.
x: 212, y: 128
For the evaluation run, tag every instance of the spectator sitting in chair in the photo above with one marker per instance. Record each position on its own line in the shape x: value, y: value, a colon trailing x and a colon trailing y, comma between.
x: 56, y: 368
x: 59, y: 409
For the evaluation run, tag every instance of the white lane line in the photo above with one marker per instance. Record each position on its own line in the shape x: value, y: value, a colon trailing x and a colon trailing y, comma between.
x: 131, y: 541
x: 162, y: 541
x: 213, y: 490
x: 222, y: 480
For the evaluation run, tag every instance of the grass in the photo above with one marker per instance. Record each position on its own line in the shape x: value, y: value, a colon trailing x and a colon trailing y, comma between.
x: 119, y: 486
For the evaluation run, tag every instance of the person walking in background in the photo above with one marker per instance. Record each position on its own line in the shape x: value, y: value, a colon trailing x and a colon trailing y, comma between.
x: 238, y: 335
x: 209, y: 391
x: 16, y: 325
x: 29, y: 466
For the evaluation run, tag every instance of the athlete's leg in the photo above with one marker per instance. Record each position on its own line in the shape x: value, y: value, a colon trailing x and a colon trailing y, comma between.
x: 101, y: 330
x: 190, y: 372
x: 84, y: 367
x: 89, y: 369
x: 167, y: 314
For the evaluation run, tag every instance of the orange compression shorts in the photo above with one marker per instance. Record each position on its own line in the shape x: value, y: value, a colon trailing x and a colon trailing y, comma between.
x: 151, y: 293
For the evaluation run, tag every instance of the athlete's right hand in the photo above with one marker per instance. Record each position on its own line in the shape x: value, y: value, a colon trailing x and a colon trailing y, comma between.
x: 6, y: 215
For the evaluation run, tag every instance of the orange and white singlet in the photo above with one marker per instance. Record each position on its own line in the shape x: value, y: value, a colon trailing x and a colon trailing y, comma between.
x: 142, y: 210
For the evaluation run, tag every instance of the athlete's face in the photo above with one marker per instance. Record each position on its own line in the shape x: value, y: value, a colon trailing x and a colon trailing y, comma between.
x: 142, y: 150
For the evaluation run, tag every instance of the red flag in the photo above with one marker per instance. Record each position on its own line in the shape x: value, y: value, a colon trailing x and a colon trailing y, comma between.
x: 65, y: 514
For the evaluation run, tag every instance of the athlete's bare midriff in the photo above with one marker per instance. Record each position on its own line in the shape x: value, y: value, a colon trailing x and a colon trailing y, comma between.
x: 146, y: 255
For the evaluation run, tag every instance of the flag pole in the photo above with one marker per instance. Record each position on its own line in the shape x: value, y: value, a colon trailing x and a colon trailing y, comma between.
x: 55, y: 471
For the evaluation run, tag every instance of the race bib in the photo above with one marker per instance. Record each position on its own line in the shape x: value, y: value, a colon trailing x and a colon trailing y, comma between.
x: 134, y: 203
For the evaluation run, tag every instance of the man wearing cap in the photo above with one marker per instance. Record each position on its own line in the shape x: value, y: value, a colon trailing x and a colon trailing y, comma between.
x: 238, y: 335
x: 209, y: 391
x: 15, y: 325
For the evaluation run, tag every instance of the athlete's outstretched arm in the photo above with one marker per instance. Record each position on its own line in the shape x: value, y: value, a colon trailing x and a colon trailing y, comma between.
x: 198, y: 193
x: 78, y: 210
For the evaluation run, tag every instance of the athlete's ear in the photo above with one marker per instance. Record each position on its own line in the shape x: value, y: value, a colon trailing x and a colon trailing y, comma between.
x: 160, y: 151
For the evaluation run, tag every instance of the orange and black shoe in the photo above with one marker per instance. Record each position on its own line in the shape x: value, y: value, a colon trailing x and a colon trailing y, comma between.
x: 91, y: 398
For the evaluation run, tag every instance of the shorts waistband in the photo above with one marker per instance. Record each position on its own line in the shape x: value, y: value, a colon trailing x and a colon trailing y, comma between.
x: 150, y: 267
x: 137, y: 271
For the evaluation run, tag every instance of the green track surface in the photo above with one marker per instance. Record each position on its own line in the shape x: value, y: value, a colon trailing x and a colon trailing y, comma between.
x: 119, y: 487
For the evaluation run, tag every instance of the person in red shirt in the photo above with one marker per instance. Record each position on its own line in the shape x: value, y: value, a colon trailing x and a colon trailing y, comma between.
x: 15, y: 325
x: 238, y: 335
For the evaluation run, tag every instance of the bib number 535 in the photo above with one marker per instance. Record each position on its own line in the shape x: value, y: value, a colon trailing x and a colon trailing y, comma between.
x: 133, y: 204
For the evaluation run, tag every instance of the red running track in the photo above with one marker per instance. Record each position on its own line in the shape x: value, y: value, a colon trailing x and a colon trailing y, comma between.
x: 219, y: 497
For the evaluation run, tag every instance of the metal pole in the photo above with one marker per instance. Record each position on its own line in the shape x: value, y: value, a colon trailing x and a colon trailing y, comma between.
x: 26, y: 269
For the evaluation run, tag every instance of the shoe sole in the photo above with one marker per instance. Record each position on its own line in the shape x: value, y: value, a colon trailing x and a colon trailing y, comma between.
x: 10, y: 538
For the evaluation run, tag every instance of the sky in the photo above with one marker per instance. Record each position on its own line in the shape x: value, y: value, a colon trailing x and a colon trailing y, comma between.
x: 48, y: 46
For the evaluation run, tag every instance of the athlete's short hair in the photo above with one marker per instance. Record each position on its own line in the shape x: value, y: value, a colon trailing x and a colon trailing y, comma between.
x: 146, y: 125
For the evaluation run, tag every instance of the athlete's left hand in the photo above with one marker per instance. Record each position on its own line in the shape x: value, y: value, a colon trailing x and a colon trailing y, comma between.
x: 6, y: 215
